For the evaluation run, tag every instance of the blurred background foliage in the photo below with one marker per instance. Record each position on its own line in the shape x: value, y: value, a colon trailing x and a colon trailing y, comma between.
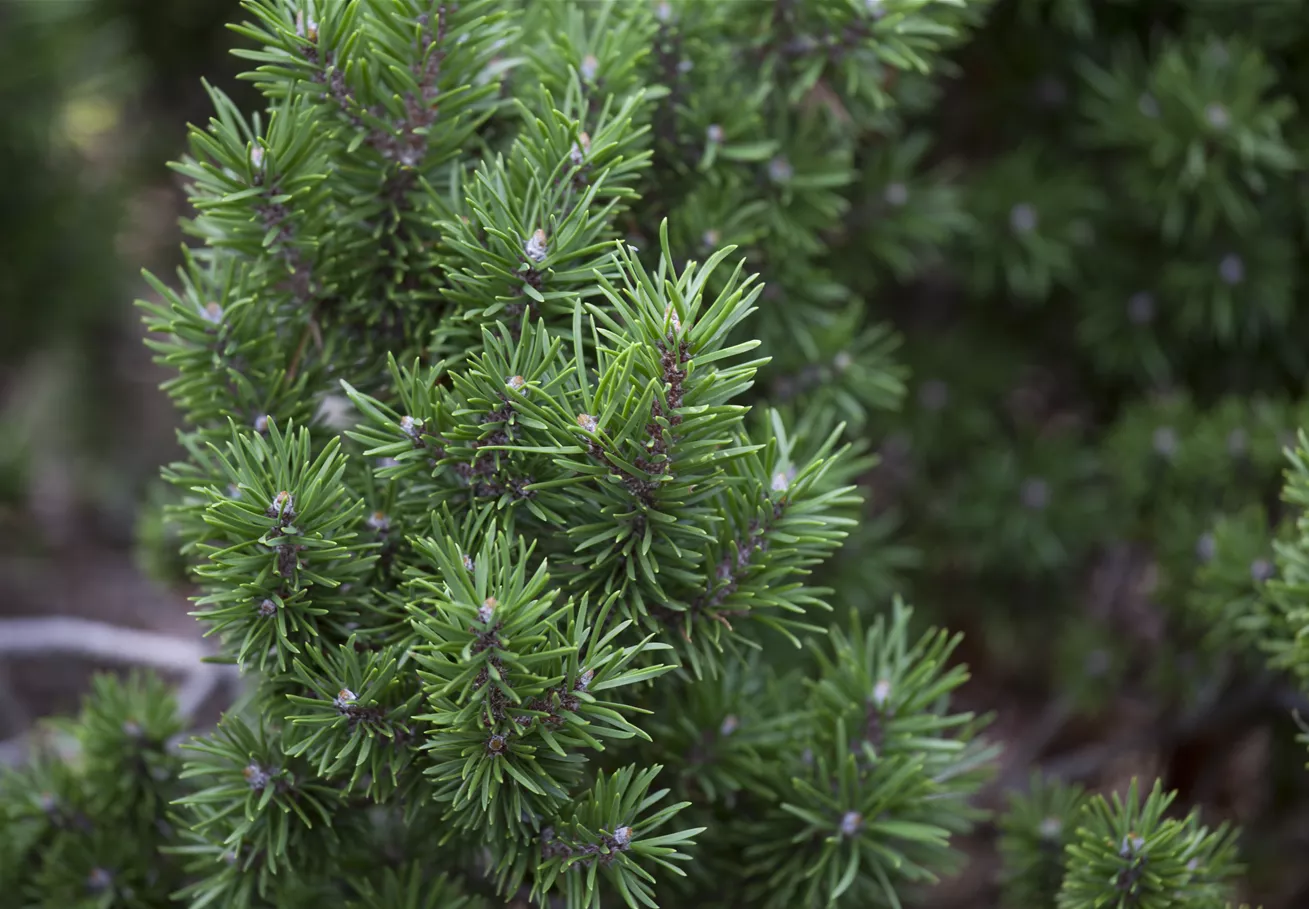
x: 94, y: 97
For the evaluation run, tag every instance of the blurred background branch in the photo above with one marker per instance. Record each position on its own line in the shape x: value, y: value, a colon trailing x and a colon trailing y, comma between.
x: 94, y: 97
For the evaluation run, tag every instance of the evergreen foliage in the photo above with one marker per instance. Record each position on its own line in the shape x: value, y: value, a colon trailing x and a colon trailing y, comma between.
x: 549, y: 417
x: 1149, y: 859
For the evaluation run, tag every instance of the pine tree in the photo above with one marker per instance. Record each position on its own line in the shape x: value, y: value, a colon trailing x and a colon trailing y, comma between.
x: 556, y: 508
x: 531, y: 359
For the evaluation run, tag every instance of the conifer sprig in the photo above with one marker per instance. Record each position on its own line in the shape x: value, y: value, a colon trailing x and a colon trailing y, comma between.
x: 519, y: 374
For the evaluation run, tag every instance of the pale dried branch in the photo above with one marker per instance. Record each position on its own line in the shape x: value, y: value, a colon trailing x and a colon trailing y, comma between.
x: 67, y: 634
x: 35, y: 637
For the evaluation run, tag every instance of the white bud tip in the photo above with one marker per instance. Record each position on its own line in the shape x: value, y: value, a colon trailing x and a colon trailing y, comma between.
x: 587, y: 422
x: 780, y: 170
x: 486, y: 610
x: 536, y: 247
x: 851, y: 823
x: 1232, y: 269
x: 256, y: 776
x: 780, y: 483
x: 881, y: 692
x: 310, y: 32
x: 1165, y: 441
x: 1140, y: 307
x: 282, y: 505
x: 1131, y: 843
x: 671, y: 315
x: 516, y: 383
x: 581, y: 148
x: 1023, y: 218
x: 468, y: 562
x: 623, y: 836
x: 1035, y: 493
x: 1262, y: 570
x: 1237, y: 442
